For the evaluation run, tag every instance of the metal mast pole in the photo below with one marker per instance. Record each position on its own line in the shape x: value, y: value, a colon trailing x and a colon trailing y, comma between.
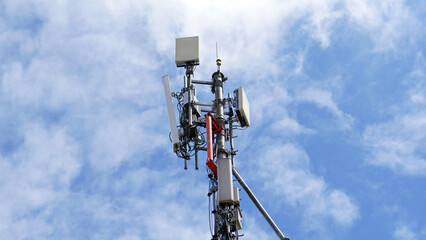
x: 225, y: 192
x: 220, y: 137
x: 218, y: 84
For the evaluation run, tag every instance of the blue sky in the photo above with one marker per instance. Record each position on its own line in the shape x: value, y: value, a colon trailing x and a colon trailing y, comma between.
x: 336, y: 147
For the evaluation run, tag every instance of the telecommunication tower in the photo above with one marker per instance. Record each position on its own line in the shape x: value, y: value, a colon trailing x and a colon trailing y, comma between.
x: 219, y: 119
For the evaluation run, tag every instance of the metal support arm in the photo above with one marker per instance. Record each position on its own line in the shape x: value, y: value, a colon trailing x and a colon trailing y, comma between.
x: 202, y: 82
x: 203, y: 104
x: 258, y: 205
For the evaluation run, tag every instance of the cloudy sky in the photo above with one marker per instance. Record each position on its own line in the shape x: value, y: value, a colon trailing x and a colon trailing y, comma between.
x: 337, y: 91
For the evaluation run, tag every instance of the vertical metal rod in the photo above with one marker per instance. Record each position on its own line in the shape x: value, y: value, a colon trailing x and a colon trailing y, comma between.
x: 231, y: 136
x: 189, y: 98
x: 217, y: 53
x: 216, y: 229
x: 196, y: 159
x: 258, y: 205
x: 185, y: 88
x: 188, y: 78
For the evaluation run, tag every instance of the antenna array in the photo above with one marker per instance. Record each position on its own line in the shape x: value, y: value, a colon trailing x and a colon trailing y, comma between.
x: 219, y: 118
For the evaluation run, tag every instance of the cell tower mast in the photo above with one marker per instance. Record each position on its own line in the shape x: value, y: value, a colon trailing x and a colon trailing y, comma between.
x: 219, y: 123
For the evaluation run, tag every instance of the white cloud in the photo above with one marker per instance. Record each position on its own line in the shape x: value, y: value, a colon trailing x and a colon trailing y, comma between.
x: 252, y: 228
x: 387, y: 22
x: 300, y: 62
x: 323, y: 99
x: 130, y: 236
x: 289, y: 126
x: 98, y: 65
x: 250, y: 39
x: 96, y: 74
x: 323, y: 15
x: 399, y: 143
x: 417, y: 93
x: 116, y: 140
x: 148, y: 204
x: 267, y: 103
x: 38, y: 175
x: 286, y: 172
x: 272, y: 104
x: 404, y: 232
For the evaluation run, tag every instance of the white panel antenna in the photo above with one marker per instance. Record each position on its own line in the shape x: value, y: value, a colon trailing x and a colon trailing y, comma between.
x: 171, y: 113
x: 243, y: 107
x: 236, y: 218
x: 187, y: 51
x: 226, y: 189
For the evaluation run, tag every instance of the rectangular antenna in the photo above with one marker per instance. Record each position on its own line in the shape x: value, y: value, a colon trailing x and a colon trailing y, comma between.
x: 187, y: 51
x: 171, y: 113
x: 243, y: 107
x: 225, y: 185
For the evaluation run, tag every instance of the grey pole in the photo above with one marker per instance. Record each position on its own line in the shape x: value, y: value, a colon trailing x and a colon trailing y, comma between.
x: 220, y: 138
x: 224, y: 166
x: 221, y: 149
x: 258, y: 205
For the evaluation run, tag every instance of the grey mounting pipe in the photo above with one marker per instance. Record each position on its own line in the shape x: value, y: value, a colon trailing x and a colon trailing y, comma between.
x: 203, y: 104
x: 202, y: 82
x: 258, y: 205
